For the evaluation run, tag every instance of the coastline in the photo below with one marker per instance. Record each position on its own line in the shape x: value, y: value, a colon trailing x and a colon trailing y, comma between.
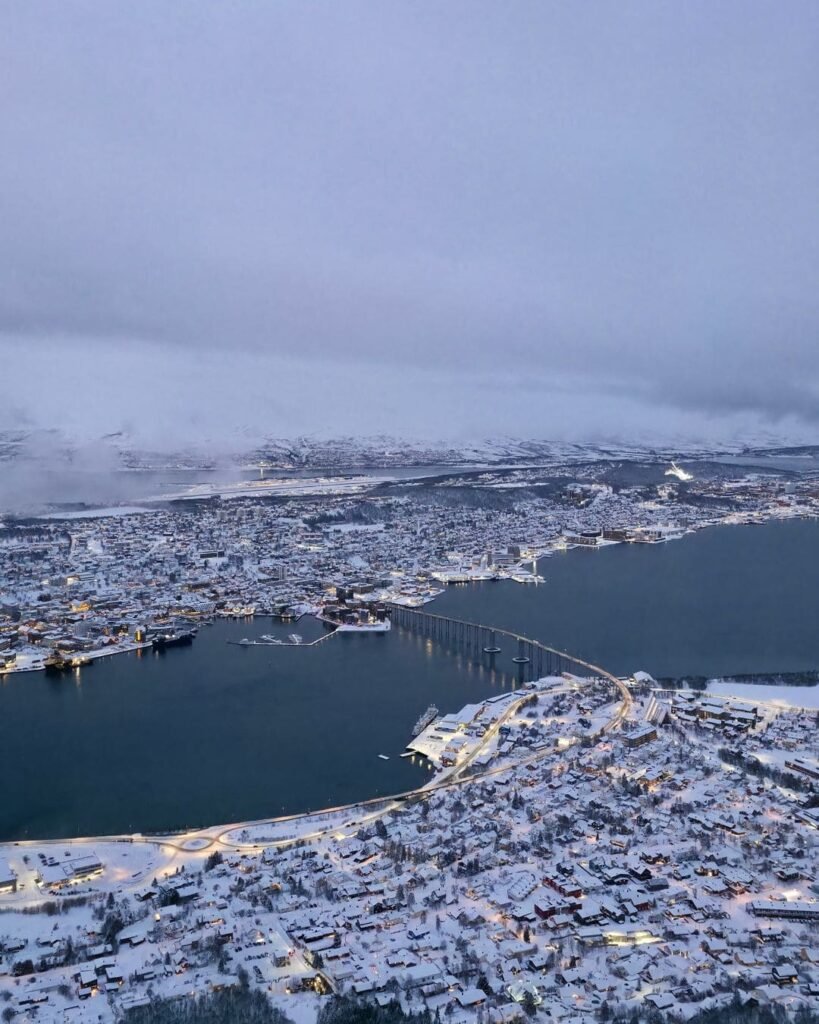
x: 155, y: 670
x: 514, y: 574
x: 254, y: 836
x: 445, y: 777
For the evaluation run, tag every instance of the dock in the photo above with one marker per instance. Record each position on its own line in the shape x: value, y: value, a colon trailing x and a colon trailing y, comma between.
x: 283, y: 643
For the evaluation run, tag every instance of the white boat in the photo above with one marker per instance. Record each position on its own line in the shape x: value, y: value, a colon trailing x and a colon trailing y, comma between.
x: 296, y: 638
x: 427, y: 718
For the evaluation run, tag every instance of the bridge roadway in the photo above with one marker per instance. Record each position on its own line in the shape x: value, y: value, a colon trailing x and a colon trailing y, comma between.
x: 204, y: 840
x: 482, y: 639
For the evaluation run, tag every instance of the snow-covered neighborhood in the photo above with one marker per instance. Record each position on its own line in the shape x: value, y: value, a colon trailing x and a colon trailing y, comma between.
x: 94, y: 583
x: 409, y: 512
x: 583, y: 846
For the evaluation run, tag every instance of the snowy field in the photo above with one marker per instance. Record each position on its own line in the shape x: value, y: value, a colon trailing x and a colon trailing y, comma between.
x: 793, y: 696
x: 97, y: 513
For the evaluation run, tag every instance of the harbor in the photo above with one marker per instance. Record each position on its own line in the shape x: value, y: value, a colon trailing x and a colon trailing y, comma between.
x: 303, y: 729
x: 293, y: 640
x: 293, y: 729
x: 356, y: 621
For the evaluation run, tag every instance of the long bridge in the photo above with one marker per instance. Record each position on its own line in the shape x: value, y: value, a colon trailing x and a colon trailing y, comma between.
x: 532, y: 658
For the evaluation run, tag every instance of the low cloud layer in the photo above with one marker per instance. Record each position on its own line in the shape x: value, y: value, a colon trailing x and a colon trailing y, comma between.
x: 448, y: 219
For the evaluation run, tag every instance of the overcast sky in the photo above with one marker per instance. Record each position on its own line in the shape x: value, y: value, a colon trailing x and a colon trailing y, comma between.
x: 438, y: 218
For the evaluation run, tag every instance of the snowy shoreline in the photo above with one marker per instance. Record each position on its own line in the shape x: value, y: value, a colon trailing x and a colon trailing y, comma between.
x: 795, y: 696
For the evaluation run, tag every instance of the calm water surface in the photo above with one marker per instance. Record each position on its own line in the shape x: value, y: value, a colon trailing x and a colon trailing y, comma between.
x: 719, y: 602
x: 216, y: 732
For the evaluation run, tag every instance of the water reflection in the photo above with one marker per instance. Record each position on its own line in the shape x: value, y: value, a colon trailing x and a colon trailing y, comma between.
x: 217, y: 731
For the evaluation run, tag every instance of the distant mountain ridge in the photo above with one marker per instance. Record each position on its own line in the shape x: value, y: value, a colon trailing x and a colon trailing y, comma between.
x: 124, y: 452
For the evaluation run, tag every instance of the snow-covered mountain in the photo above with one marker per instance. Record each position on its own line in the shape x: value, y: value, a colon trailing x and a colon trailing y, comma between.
x: 123, y: 451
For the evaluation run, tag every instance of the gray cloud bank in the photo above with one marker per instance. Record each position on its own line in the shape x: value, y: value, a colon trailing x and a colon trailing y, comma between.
x: 440, y: 218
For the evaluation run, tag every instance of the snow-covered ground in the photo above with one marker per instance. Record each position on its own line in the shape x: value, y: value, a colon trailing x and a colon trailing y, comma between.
x: 613, y: 869
x: 97, y: 513
x: 793, y: 696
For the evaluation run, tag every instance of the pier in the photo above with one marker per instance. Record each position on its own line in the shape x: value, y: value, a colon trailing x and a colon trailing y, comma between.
x: 283, y: 643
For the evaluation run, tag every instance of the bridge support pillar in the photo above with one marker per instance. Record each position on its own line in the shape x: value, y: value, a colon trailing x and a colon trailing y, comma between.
x: 491, y: 648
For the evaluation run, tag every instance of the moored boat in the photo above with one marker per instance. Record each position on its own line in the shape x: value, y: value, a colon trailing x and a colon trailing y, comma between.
x: 426, y: 719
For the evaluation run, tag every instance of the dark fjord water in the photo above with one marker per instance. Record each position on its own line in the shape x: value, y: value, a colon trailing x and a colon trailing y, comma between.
x: 216, y: 732
x: 723, y: 601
